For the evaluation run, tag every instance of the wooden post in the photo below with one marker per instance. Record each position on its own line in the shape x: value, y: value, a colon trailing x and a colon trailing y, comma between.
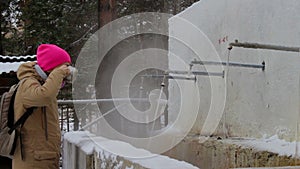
x: 76, y: 122
x: 61, y: 117
x: 68, y: 120
x: 1, y: 48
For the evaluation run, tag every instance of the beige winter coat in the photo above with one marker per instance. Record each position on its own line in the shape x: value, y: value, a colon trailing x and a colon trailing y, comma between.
x: 38, y: 152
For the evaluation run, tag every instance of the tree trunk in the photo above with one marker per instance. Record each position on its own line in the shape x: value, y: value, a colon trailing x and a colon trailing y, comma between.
x: 1, y: 47
x: 106, y: 11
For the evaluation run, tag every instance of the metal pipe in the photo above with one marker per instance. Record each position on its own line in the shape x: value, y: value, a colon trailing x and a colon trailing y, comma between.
x: 197, y: 73
x: 171, y: 77
x: 183, y: 72
x: 86, y: 101
x: 262, y: 66
x: 98, y: 118
x: 263, y: 46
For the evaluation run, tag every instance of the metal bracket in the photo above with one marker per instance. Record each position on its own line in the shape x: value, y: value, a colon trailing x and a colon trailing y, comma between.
x: 192, y: 75
x: 262, y: 66
x: 171, y: 77
x: 263, y: 46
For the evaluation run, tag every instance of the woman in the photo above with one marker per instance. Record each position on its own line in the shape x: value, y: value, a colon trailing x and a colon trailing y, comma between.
x: 39, y: 146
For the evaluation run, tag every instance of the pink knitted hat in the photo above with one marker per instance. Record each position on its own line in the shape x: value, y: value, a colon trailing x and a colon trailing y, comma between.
x: 49, y: 56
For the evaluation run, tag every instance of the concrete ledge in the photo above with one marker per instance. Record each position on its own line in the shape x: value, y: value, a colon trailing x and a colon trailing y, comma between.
x: 83, y: 150
x: 235, y: 153
x: 286, y: 167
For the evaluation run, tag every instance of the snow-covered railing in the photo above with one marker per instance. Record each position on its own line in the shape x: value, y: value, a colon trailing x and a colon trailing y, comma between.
x: 83, y: 150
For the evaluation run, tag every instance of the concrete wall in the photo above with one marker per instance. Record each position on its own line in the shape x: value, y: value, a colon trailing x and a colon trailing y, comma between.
x: 256, y: 103
x: 131, y: 46
x: 228, y: 153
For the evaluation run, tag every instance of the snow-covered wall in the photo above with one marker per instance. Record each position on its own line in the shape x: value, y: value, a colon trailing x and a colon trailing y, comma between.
x: 256, y: 103
x: 83, y: 150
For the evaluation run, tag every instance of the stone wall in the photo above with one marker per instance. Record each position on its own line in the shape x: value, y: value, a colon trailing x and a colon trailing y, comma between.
x: 217, y: 153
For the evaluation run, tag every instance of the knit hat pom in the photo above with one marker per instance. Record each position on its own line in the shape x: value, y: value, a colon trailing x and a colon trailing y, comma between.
x: 50, y: 56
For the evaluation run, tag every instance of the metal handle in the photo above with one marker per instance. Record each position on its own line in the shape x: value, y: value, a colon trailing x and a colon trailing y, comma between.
x: 233, y: 64
x: 263, y: 46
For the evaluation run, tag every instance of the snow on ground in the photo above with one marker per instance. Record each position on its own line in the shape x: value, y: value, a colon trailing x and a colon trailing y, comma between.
x: 271, y: 144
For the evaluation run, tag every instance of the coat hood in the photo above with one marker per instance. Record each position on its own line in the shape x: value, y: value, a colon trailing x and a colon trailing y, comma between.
x: 27, y: 70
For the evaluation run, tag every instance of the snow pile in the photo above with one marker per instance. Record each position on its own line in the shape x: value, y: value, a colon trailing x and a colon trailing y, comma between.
x: 272, y: 144
x: 111, y: 151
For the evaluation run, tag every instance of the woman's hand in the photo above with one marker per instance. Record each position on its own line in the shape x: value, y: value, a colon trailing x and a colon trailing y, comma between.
x: 65, y: 69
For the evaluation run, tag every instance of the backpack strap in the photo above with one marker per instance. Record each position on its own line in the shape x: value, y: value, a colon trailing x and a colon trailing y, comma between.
x: 11, y: 113
x: 46, y: 122
x: 20, y: 122
x: 11, y: 118
x: 22, y: 119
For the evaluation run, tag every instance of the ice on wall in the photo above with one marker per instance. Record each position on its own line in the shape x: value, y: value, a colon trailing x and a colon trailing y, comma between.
x: 257, y: 102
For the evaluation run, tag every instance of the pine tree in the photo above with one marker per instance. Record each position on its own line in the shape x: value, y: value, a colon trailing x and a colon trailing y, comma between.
x: 62, y: 22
